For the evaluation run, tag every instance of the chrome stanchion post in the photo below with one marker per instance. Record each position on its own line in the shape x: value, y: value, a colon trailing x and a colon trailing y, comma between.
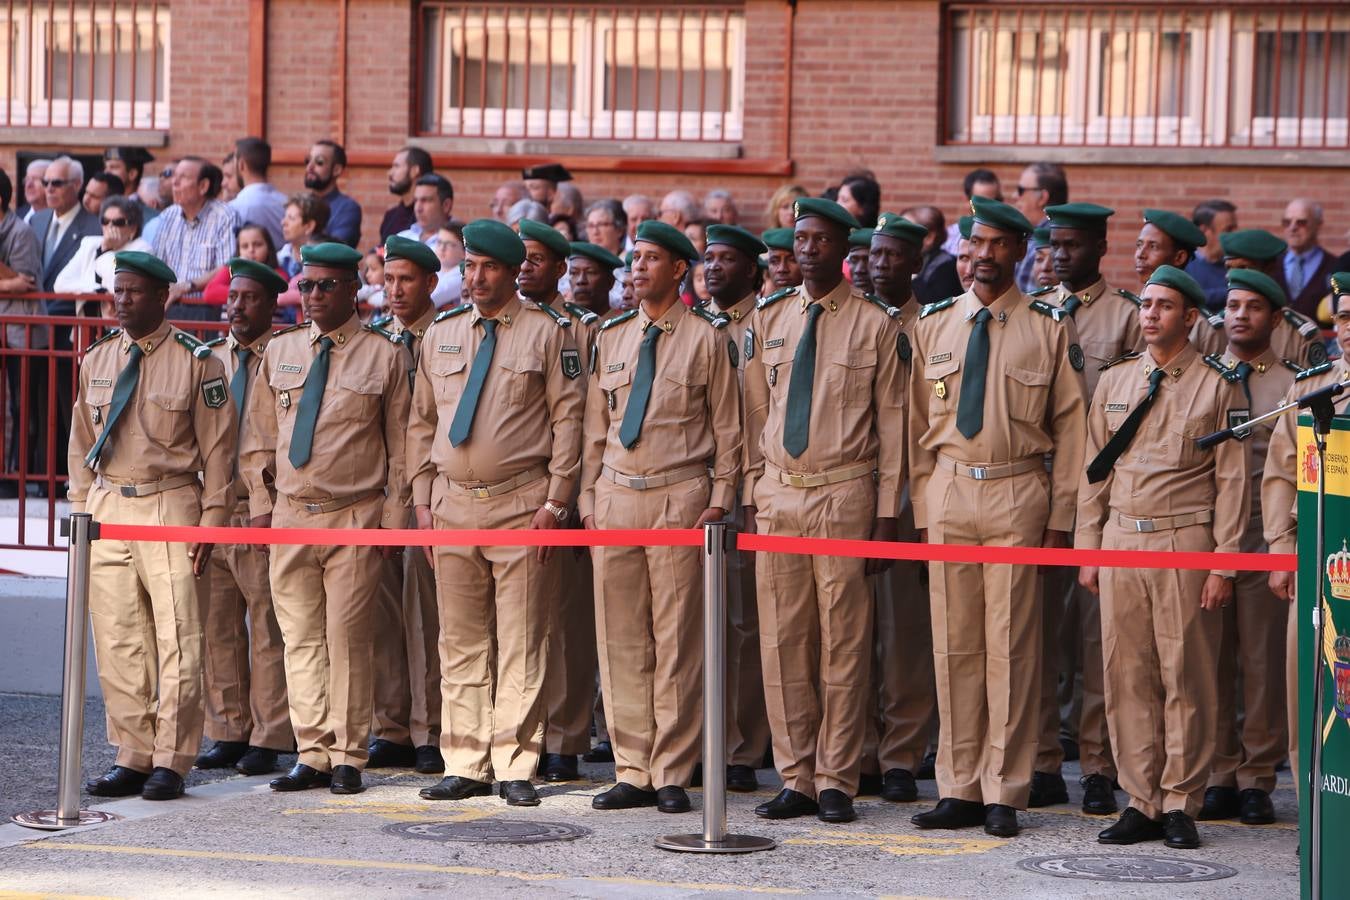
x: 81, y: 529
x: 714, y: 838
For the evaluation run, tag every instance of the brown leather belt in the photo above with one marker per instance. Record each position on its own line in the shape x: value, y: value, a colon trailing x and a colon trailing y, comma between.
x: 647, y: 482
x: 988, y: 473
x: 819, y: 479
x: 483, y: 491
x: 149, y: 488
x: 1163, y: 523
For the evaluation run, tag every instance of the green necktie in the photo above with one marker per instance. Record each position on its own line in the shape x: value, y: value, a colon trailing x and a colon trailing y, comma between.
x: 1071, y: 305
x: 970, y: 408
x: 636, y: 408
x: 1243, y: 370
x: 1100, y: 467
x: 461, y: 425
x: 307, y: 416
x: 239, y: 383
x: 122, y: 391
x: 797, y: 420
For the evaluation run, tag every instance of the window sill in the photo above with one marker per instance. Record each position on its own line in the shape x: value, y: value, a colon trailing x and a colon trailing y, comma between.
x: 85, y: 137
x: 1142, y: 156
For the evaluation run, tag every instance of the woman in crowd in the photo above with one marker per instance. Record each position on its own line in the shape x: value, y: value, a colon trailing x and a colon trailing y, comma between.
x: 90, y: 270
x: 253, y: 243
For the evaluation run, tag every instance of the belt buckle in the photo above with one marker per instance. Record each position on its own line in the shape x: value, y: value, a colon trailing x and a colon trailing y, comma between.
x: 481, y: 492
x: 979, y: 473
x: 1143, y: 526
x: 637, y: 482
x: 797, y: 481
x: 127, y: 490
x: 313, y: 507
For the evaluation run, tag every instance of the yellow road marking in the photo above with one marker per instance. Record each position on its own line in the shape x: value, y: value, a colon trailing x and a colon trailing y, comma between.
x: 395, y: 812
x: 398, y: 867
x: 902, y: 844
x: 42, y: 895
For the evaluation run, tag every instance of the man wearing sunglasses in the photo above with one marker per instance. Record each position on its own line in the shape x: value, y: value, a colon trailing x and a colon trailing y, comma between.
x: 1307, y: 267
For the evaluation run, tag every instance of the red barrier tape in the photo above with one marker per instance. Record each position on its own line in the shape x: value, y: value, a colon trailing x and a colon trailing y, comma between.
x: 692, y: 537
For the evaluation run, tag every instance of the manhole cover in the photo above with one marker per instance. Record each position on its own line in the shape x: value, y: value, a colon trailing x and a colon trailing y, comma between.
x: 1140, y: 869
x: 488, y: 831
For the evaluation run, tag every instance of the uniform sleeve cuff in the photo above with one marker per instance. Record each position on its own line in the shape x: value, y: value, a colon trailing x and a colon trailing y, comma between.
x: 888, y: 505
x: 1061, y: 520
x: 561, y: 488
x: 723, y: 496
x: 586, y: 504
x: 421, y: 490
x: 395, y: 513
x: 259, y: 504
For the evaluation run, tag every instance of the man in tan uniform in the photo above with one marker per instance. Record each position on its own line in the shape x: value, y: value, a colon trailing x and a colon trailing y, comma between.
x: 324, y: 449
x: 1160, y: 491
x: 153, y: 413
x: 978, y: 474
x: 407, y: 725
x: 494, y: 442
x: 731, y: 274
x: 784, y: 272
x: 246, y: 711
x: 824, y: 394
x: 662, y: 411
x: 1165, y: 239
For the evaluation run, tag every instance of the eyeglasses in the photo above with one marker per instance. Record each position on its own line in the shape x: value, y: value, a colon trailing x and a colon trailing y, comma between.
x: 56, y: 182
x: 323, y: 286
x: 1022, y: 189
x: 115, y: 223
x: 1294, y: 223
x: 609, y: 224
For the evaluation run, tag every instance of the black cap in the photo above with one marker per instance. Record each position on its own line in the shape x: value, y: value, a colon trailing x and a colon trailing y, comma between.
x: 553, y: 172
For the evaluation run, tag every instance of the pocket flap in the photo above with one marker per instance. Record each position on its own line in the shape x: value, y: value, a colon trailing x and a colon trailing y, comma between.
x: 521, y: 364
x: 361, y: 382
x: 285, y: 380
x: 857, y: 359
x: 446, y: 364
x: 1030, y: 377
x: 174, y: 402
x: 610, y: 381
x: 934, y: 371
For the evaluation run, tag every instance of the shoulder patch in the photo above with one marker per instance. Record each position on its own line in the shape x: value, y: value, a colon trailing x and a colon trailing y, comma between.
x: 715, y: 321
x: 1041, y: 291
x: 610, y: 323
x: 1291, y: 366
x: 1048, y: 309
x: 112, y: 333
x: 288, y: 329
x: 1305, y: 326
x: 771, y: 299
x: 1315, y: 370
x: 387, y: 335
x: 192, y: 345
x: 452, y: 312
x: 582, y: 313
x: 1133, y: 298
x: 563, y: 321
x: 1215, y: 321
x: 1215, y: 362
x: 936, y: 306
x: 882, y: 305
x: 1317, y: 353
x: 1119, y: 359
x: 1076, y: 358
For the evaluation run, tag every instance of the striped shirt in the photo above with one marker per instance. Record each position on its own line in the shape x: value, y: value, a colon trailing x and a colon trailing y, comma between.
x: 196, y: 247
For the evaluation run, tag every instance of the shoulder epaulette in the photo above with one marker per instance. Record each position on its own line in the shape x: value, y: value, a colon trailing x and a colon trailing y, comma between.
x: 715, y: 321
x: 1135, y: 354
x: 1041, y: 291
x: 1306, y: 326
x: 936, y: 306
x: 771, y: 299
x: 382, y: 321
x: 562, y: 320
x: 585, y: 315
x: 1315, y: 370
x: 882, y: 305
x: 1216, y: 320
x: 452, y: 312
x: 216, y: 343
x: 1133, y: 298
x: 287, y: 330
x: 191, y: 344
x: 1291, y: 366
x: 1048, y: 309
x: 610, y: 323
x: 384, y: 333
x: 111, y: 334
x: 1215, y: 362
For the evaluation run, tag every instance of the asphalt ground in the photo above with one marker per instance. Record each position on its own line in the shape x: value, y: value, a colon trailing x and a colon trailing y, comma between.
x: 232, y: 836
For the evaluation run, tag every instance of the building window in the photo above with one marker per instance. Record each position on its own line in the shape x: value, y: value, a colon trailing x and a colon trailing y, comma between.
x: 1147, y: 75
x: 649, y: 72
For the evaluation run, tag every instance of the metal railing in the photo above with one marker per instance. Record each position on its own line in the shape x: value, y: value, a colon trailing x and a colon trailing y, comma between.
x: 1272, y: 75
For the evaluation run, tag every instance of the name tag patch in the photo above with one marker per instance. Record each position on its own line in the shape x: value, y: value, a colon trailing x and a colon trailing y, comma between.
x: 771, y: 343
x: 447, y: 348
x: 614, y: 367
x: 287, y: 367
x: 100, y: 382
x: 1117, y: 407
x: 939, y: 358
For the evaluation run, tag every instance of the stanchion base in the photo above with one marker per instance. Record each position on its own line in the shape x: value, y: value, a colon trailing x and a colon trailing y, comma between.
x: 47, y: 819
x: 732, y: 843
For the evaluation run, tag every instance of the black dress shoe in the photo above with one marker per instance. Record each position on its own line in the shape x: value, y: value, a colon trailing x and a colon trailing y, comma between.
x: 301, y: 778
x: 898, y: 786
x: 1001, y: 821
x: 1179, y: 831
x: 623, y: 796
x: 789, y: 804
x: 601, y: 752
x: 1256, y: 808
x: 559, y: 767
x: 1070, y: 748
x: 1131, y: 828
x: 742, y: 779
x: 518, y: 793
x: 951, y: 813
x: 222, y: 755
x: 1047, y: 789
x: 696, y: 777
x: 163, y: 784
x: 1098, y: 798
x: 346, y: 780
x: 257, y: 761
x: 118, y: 782
x: 455, y: 787
x: 388, y: 755
x: 927, y: 770
x: 428, y: 760
x: 835, y: 806
x: 1220, y: 803
x: 869, y: 784
x: 672, y: 799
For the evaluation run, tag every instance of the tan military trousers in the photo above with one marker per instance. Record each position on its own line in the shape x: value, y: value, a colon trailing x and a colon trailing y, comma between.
x: 146, y: 609
x: 324, y: 597
x: 407, y: 661
x: 815, y: 615
x: 1072, y: 614
x: 748, y: 733
x: 244, y: 654
x: 987, y: 636
x: 569, y: 690
x: 1161, y: 655
x: 393, y: 699
x: 903, y: 667
x: 494, y: 643
x: 649, y: 634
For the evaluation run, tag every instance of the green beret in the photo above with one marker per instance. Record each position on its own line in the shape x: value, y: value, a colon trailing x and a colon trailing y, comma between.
x: 735, y: 236
x: 1340, y: 284
x: 628, y: 261
x: 146, y: 264
x: 595, y: 252
x: 1040, y: 237
x: 997, y: 214
x: 1255, y: 244
x: 1179, y: 228
x: 263, y: 274
x: 861, y: 237
x: 1258, y: 283
x: 897, y: 226
x: 415, y: 252
x: 547, y: 235
x: 1177, y: 280
x: 331, y: 255
x: 963, y: 226
x: 1087, y: 216
x: 488, y: 237
x: 826, y: 209
x: 654, y: 231
x: 778, y: 239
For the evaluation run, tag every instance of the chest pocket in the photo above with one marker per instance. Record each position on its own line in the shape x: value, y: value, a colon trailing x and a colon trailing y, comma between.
x: 942, y: 385
x: 352, y: 397
x: 97, y: 400
x: 849, y: 377
x: 1028, y: 393
x: 165, y: 415
x: 524, y: 376
x: 614, y: 390
x: 447, y: 376
x: 286, y: 386
x: 778, y: 368
x: 1181, y: 447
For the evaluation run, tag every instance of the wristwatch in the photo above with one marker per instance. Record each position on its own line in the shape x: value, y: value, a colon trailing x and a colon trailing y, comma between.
x: 558, y: 511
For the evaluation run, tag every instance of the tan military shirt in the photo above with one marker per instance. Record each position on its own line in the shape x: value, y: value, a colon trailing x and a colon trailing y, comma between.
x: 1035, y: 397
x: 360, y: 434
x: 694, y: 413
x: 179, y: 420
x: 396, y: 327
x: 226, y: 350
x: 738, y: 318
x: 858, y: 399
x: 1279, y: 484
x: 1108, y: 326
x: 529, y: 412
x: 1295, y: 338
x: 1163, y: 473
